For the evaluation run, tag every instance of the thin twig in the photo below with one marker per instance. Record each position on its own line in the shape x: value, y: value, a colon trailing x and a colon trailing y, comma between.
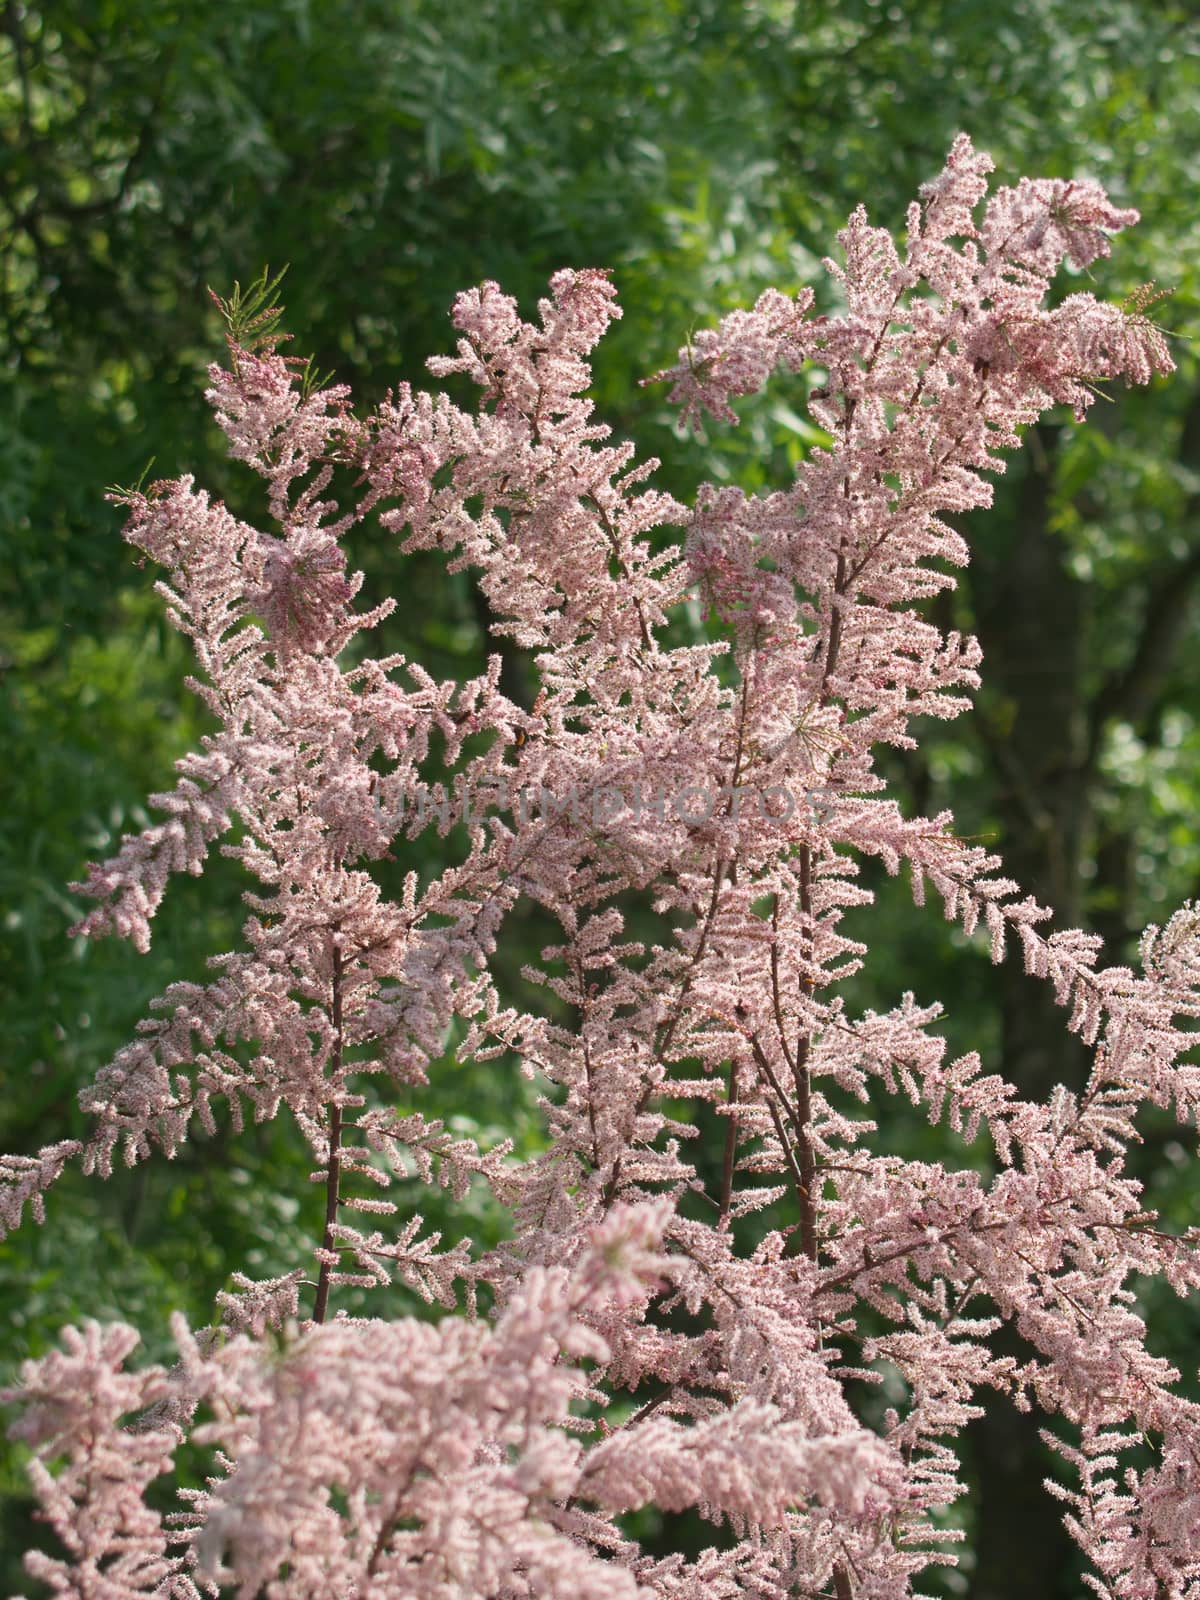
x: 333, y: 1171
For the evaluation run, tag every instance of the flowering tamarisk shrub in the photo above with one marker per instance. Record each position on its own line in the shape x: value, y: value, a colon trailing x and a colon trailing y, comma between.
x: 496, y: 1455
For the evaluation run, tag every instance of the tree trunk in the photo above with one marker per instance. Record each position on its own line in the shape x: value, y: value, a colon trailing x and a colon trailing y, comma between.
x: 1030, y: 619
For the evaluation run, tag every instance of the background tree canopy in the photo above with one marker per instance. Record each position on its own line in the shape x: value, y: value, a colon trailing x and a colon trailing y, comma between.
x: 393, y: 151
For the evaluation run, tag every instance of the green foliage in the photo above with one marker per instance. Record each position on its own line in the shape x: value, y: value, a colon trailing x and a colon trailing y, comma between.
x: 252, y: 316
x: 394, y: 151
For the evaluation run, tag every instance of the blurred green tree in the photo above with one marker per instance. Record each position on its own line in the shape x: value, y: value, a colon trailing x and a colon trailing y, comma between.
x: 392, y: 151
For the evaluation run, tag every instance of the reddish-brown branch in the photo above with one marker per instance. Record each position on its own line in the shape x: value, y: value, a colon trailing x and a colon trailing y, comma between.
x: 333, y: 1170
x: 730, y: 1144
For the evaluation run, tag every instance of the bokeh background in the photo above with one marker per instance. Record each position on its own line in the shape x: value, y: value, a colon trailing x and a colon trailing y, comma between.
x: 390, y: 152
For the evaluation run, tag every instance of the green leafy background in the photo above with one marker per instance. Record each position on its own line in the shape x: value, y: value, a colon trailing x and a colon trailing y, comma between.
x: 393, y: 151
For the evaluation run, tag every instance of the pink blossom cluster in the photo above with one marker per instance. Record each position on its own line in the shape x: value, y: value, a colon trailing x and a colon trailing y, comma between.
x: 643, y: 1344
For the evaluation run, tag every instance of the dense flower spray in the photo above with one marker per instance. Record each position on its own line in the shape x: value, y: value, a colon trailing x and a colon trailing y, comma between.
x: 638, y: 1350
